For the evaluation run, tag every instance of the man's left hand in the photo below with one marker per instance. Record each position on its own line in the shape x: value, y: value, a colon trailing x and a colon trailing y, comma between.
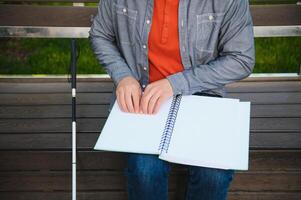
x: 154, y: 95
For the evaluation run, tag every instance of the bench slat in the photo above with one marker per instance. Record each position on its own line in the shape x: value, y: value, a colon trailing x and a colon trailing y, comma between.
x: 86, y: 141
x: 120, y: 195
x: 69, y: 16
x: 104, y: 98
x: 260, y: 160
x: 106, y: 180
x: 95, y: 124
x: 100, y: 111
x: 82, y: 78
x: 105, y: 86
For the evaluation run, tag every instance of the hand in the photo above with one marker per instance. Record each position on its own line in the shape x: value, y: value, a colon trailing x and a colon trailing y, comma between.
x: 154, y: 95
x: 128, y: 93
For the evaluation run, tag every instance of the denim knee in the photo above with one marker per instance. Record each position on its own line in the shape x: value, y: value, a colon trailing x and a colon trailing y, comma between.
x: 146, y: 165
x: 147, y: 177
x: 212, y: 178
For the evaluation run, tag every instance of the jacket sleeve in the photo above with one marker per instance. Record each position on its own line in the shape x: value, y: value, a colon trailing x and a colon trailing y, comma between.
x: 236, y: 57
x: 103, y: 43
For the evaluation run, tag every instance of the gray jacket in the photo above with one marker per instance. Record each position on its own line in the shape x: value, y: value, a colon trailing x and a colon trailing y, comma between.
x: 216, y: 42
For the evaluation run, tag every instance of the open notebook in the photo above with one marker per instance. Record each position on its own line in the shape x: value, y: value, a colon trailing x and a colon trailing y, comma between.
x: 188, y: 129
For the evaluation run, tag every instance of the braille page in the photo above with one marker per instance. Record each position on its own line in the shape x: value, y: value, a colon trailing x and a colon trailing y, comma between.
x: 216, y: 136
x: 130, y: 132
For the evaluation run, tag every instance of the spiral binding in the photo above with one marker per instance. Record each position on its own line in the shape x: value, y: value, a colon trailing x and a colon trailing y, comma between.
x: 171, y: 119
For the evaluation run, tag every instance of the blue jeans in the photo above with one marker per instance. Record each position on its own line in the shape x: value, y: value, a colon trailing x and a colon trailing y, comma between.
x: 147, y: 179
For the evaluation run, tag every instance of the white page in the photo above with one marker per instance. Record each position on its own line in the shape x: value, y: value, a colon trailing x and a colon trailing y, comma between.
x: 130, y: 132
x: 213, y: 138
x: 241, y: 153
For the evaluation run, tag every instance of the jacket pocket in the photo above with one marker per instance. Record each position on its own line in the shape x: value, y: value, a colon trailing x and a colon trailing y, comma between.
x: 125, y: 23
x: 208, y: 25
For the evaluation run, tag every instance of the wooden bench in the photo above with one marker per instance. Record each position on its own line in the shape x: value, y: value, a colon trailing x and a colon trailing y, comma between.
x: 35, y: 123
x: 35, y: 141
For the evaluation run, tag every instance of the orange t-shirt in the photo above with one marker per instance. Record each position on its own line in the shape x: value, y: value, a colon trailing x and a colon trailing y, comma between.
x: 163, y: 44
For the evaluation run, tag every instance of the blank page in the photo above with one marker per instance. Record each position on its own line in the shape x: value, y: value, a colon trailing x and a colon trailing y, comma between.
x: 210, y: 132
x: 131, y: 132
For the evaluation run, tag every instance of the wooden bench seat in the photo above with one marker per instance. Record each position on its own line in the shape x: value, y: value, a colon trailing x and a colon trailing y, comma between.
x: 35, y: 141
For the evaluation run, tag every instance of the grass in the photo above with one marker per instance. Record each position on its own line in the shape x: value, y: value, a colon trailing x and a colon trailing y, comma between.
x: 45, y: 56
x: 278, y: 55
x: 52, y: 56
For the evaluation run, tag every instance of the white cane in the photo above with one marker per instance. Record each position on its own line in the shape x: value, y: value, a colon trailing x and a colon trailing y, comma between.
x: 73, y: 86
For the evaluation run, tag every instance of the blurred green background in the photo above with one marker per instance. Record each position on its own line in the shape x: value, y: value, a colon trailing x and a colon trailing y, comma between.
x: 52, y: 56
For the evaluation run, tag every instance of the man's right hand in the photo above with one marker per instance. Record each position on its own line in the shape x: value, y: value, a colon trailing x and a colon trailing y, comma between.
x: 128, y: 93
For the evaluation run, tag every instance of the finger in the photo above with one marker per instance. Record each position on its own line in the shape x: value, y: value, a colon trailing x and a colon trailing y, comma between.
x: 128, y: 101
x: 145, y: 98
x: 141, y: 98
x: 152, y: 103
x: 158, y: 105
x: 144, y: 102
x: 122, y: 101
x: 118, y: 100
x: 136, y: 100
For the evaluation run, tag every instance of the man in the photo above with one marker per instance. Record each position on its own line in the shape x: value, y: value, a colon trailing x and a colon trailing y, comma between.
x: 154, y: 49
